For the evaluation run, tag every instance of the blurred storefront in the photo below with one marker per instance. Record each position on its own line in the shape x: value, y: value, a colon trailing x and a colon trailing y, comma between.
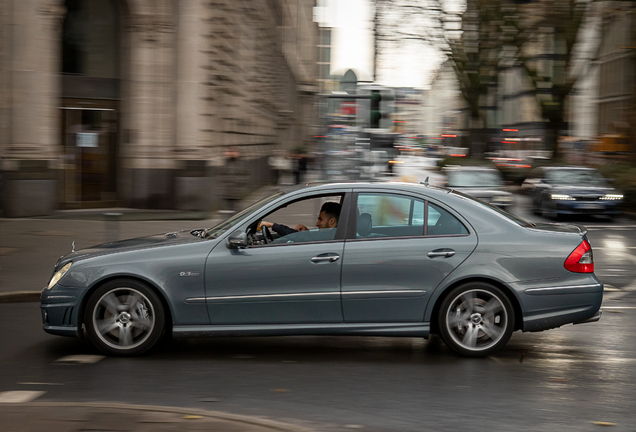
x: 128, y: 103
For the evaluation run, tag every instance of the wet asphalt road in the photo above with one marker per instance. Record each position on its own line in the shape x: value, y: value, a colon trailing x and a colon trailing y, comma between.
x: 575, y: 378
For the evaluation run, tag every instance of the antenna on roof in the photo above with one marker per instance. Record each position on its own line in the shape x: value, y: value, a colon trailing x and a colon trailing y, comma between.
x: 425, y: 182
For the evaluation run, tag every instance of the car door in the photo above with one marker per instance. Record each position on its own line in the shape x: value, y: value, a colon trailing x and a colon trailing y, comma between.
x: 394, y: 260
x: 287, y: 283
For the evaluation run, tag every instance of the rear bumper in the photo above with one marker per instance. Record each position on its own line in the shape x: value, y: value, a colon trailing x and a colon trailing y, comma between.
x: 551, y: 307
x: 596, y: 317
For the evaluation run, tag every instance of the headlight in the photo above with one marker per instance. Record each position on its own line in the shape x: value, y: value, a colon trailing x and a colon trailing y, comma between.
x: 561, y: 197
x: 503, y: 199
x: 58, y: 275
x: 612, y: 197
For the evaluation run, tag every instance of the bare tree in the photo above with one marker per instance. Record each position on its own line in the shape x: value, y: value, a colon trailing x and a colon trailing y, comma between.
x: 538, y: 36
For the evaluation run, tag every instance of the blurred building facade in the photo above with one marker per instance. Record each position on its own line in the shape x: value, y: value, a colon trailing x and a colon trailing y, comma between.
x: 616, y: 63
x: 141, y: 104
x: 445, y: 111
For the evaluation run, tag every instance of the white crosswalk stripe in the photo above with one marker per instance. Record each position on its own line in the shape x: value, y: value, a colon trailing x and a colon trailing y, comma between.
x: 83, y: 359
x: 19, y: 396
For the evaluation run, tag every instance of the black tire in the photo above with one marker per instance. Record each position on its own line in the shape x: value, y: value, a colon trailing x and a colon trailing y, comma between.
x: 476, y: 319
x: 124, y: 318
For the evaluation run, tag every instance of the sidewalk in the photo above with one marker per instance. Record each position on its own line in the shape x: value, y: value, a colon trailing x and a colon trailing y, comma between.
x: 75, y: 417
x: 29, y: 248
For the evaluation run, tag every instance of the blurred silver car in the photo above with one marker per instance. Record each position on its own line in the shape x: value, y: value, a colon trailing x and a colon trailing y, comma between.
x: 480, y: 182
x: 395, y: 259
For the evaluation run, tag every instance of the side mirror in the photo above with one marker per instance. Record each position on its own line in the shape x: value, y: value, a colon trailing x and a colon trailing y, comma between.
x: 237, y: 240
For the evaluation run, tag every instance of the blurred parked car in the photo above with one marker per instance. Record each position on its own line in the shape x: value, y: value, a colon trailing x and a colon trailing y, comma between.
x: 480, y: 182
x: 569, y: 190
x: 400, y: 260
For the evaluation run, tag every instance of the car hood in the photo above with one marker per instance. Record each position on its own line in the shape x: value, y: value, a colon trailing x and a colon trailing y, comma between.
x: 152, y: 241
x: 560, y: 228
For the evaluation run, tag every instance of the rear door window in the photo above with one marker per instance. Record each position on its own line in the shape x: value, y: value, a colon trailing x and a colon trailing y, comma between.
x: 389, y: 215
x: 441, y: 222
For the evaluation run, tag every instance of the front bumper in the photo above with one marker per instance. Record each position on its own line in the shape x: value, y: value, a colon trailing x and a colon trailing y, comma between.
x: 60, y: 309
x: 585, y: 207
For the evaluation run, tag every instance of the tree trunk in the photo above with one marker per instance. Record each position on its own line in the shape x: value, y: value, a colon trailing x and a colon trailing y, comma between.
x: 478, y: 138
x: 552, y: 131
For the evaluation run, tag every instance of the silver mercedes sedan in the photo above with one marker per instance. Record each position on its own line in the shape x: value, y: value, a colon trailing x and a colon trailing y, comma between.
x: 376, y: 259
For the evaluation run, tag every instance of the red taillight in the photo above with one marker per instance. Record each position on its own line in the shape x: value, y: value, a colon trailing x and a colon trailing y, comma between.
x: 581, y: 259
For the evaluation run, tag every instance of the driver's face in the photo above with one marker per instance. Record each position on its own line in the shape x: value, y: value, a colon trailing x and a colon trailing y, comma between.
x: 325, y: 221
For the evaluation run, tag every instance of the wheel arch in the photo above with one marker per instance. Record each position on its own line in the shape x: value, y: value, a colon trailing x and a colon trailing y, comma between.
x: 149, y: 284
x: 506, y: 290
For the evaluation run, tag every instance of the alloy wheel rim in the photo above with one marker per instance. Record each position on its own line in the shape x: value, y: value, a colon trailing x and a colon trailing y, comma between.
x: 476, y: 319
x: 123, y: 318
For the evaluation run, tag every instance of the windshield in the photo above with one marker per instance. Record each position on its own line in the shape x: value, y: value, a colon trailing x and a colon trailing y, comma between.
x: 219, y: 229
x: 474, y: 179
x: 585, y: 177
x: 514, y: 218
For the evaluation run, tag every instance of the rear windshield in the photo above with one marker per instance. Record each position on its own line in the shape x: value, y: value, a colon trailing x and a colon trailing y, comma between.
x: 514, y: 218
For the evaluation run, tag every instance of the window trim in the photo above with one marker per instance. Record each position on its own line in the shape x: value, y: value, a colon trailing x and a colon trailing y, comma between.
x: 353, y: 219
x: 341, y: 230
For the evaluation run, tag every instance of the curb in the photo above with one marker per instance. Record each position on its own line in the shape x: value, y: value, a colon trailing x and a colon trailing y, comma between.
x: 20, y: 297
x: 217, y: 415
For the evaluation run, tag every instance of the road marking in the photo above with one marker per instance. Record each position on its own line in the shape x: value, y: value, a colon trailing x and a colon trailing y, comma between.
x: 618, y: 225
x: 83, y: 359
x: 611, y: 248
x: 38, y: 383
x: 618, y: 307
x: 19, y: 396
x: 5, y: 251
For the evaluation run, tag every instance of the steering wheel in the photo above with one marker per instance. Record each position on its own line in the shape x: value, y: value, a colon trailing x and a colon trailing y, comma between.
x: 267, y: 236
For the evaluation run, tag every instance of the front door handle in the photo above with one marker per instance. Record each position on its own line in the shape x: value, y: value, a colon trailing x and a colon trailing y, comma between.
x: 446, y: 253
x: 325, y: 258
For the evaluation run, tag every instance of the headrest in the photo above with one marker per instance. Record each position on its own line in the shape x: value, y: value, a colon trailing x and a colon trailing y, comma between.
x: 364, y: 224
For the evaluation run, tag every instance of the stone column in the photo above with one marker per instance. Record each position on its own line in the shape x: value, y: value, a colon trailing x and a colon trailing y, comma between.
x: 31, y: 146
x: 149, y: 141
x: 192, y: 185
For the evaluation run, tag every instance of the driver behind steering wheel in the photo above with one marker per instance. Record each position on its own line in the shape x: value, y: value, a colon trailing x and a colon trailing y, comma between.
x: 327, y: 218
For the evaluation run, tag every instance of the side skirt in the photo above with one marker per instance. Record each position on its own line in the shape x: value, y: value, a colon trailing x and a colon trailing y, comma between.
x: 345, y: 329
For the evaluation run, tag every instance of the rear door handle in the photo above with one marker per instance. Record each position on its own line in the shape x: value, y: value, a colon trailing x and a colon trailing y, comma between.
x: 446, y: 253
x: 325, y: 258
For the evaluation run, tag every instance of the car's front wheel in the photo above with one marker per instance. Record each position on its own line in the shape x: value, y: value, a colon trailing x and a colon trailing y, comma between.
x: 476, y: 319
x: 124, y: 317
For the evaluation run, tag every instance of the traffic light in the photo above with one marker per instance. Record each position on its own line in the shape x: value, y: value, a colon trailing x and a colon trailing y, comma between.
x: 375, y: 114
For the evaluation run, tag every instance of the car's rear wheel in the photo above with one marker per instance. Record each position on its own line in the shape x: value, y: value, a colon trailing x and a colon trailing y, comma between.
x: 124, y: 318
x: 476, y: 319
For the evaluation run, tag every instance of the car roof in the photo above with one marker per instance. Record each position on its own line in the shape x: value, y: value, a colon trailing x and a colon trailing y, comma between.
x: 389, y: 186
